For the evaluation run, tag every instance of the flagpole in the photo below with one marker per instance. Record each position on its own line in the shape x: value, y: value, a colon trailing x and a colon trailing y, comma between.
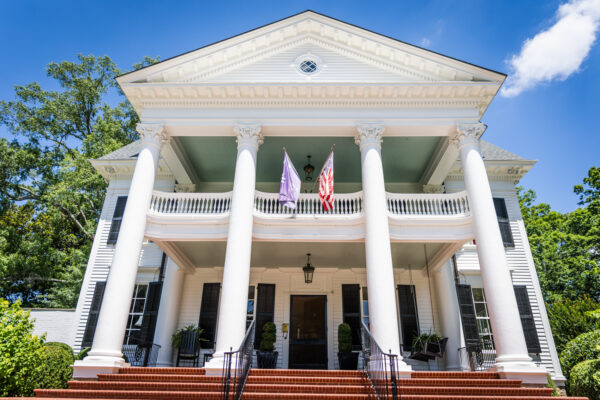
x: 332, y: 148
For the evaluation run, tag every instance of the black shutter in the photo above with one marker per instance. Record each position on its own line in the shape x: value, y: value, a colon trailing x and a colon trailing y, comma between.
x: 90, y: 327
x: 468, y: 316
x: 208, y: 313
x: 265, y: 309
x: 115, y: 226
x: 409, y: 319
x: 351, y: 311
x: 150, y: 313
x: 503, y: 222
x: 529, y: 330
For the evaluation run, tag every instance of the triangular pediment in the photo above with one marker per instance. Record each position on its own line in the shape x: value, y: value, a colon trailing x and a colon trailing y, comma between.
x: 348, y: 53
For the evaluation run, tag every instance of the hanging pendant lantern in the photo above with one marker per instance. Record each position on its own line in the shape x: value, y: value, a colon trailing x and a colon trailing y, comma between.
x: 308, y: 170
x: 308, y: 270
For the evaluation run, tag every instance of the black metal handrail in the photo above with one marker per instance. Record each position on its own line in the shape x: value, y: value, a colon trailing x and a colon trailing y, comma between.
x: 234, y: 378
x: 380, y: 367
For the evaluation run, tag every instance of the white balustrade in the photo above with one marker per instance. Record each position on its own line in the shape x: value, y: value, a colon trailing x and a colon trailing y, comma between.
x: 308, y: 204
x: 190, y: 203
x: 349, y: 204
x: 410, y: 204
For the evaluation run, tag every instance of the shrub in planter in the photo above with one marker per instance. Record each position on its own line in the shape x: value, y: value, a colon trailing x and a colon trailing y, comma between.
x: 21, y: 352
x: 57, y: 366
x: 266, y: 356
x: 176, y: 338
x: 346, y: 358
x: 418, y: 343
x: 583, y: 347
x: 585, y: 380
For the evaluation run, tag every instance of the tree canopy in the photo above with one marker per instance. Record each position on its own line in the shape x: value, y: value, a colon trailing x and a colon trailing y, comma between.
x: 50, y: 196
x: 566, y: 247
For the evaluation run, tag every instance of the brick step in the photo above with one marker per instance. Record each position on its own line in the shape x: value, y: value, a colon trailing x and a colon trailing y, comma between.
x: 325, y: 396
x: 304, y: 372
x: 454, y: 375
x: 159, y: 377
x: 162, y: 371
x: 124, y: 394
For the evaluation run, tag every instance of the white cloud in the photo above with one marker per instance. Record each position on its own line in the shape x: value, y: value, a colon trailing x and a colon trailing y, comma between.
x: 557, y: 52
x: 425, y: 42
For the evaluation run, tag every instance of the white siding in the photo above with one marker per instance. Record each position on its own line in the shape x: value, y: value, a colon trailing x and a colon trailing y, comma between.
x: 57, y: 325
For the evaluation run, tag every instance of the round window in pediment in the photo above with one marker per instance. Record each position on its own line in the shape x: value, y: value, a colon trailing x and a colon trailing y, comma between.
x: 308, y: 66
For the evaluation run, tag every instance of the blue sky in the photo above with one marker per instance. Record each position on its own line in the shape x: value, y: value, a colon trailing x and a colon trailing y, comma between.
x: 553, y: 122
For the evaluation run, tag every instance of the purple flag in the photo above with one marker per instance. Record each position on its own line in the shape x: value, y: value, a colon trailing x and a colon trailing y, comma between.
x: 289, y: 191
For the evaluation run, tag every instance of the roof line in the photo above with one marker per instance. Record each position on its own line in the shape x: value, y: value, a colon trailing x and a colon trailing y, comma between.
x: 323, y: 15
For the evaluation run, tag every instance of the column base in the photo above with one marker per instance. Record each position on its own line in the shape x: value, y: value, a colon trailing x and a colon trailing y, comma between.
x: 91, y: 366
x: 214, y: 366
x: 521, y: 368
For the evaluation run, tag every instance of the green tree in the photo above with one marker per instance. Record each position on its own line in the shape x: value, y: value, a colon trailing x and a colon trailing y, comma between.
x: 50, y: 195
x: 565, y: 247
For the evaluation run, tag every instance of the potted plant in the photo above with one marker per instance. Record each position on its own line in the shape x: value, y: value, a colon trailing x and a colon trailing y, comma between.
x: 266, y: 355
x: 348, y: 360
x: 428, y: 346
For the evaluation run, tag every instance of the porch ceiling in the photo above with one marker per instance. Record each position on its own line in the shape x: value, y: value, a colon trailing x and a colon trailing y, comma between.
x: 404, y: 158
x: 293, y: 254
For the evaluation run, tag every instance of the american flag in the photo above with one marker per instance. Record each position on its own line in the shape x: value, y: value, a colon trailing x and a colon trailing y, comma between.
x: 326, y: 184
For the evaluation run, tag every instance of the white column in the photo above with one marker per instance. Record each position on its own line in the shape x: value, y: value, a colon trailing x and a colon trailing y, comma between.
x: 105, y: 355
x: 168, y: 312
x: 383, y: 316
x: 512, y: 358
x: 231, y: 326
x: 449, y: 314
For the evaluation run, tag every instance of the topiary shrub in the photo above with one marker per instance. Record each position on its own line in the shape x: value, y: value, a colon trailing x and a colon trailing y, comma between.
x: 344, y: 338
x: 21, y: 353
x: 585, y: 380
x: 268, y: 337
x: 583, y: 347
x: 57, y: 366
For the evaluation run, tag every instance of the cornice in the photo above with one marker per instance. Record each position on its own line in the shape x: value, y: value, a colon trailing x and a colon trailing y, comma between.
x: 501, y: 171
x: 123, y: 169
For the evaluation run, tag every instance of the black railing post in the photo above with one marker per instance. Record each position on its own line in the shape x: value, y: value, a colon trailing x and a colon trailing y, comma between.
x: 380, y: 367
x: 243, y: 362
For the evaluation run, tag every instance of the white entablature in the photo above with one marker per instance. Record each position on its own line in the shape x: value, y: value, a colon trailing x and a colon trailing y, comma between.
x: 258, y: 67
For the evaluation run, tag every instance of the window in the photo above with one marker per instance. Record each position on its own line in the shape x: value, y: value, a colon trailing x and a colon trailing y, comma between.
x: 136, y: 314
x: 250, y: 307
x: 365, y: 305
x: 409, y: 318
x: 115, y: 226
x: 308, y: 66
x: 503, y: 222
x: 482, y: 317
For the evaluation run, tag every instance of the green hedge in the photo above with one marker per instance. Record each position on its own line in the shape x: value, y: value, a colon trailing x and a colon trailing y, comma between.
x: 585, y: 379
x: 57, y: 366
x: 583, y: 347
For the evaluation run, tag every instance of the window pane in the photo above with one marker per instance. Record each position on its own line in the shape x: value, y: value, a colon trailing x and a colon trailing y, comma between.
x: 250, y: 309
x: 141, y: 291
x: 478, y: 294
x: 480, y: 310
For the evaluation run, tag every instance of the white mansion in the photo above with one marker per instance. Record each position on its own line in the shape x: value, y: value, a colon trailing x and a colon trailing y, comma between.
x: 425, y: 235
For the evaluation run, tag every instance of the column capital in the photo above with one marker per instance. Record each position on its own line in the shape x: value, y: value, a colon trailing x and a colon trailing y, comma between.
x: 467, y: 133
x: 152, y: 133
x: 369, y: 135
x: 248, y: 135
